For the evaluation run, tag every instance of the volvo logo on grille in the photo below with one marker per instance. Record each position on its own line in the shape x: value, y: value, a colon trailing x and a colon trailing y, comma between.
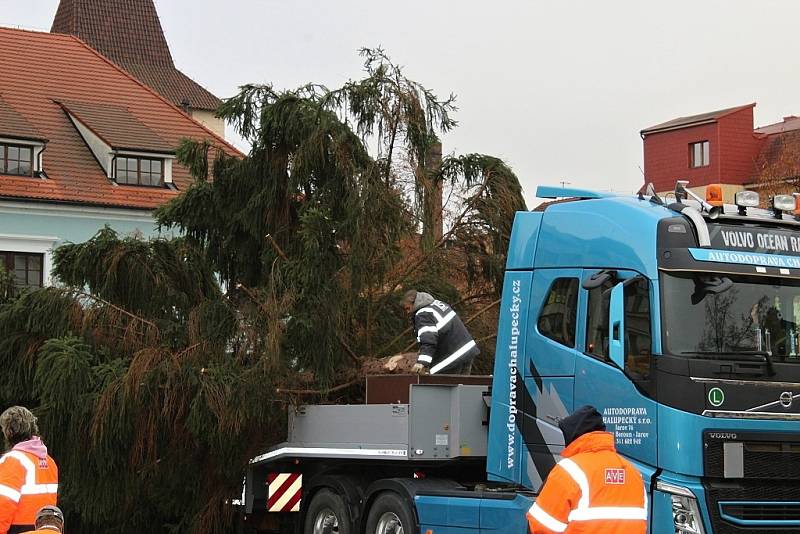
x: 786, y: 399
x: 722, y: 435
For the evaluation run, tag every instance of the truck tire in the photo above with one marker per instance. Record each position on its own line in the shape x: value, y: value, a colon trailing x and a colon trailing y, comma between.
x: 390, y: 514
x: 327, y: 514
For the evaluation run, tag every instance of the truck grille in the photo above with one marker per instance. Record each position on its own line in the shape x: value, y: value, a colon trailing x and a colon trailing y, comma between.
x: 777, y: 511
x: 766, y: 456
x: 773, y: 505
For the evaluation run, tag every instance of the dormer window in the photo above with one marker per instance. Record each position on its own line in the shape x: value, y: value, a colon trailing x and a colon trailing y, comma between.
x: 130, y: 153
x: 21, y: 145
x: 16, y: 160
x: 139, y: 171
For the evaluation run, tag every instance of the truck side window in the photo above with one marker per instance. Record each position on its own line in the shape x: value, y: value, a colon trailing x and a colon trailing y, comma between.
x: 638, y: 340
x: 558, y: 317
x: 597, y: 321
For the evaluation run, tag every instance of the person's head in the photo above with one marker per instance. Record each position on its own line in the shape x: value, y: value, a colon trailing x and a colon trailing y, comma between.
x: 582, y: 421
x: 50, y: 518
x: 408, y: 300
x: 18, y: 424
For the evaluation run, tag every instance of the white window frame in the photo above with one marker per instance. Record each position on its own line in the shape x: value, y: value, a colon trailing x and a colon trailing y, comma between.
x: 166, y: 162
x: 38, y: 151
x: 705, y: 156
x: 32, y: 244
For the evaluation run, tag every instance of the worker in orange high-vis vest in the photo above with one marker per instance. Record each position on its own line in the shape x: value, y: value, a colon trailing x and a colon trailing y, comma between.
x: 592, y: 489
x: 28, y: 475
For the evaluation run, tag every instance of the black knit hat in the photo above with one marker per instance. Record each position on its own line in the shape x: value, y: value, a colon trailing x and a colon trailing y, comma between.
x: 582, y: 421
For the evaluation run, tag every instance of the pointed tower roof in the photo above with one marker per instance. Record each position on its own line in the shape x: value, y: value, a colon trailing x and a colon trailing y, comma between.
x: 129, y: 33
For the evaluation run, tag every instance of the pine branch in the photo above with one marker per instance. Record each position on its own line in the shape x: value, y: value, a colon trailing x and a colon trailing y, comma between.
x: 482, y: 311
x: 120, y: 310
x: 277, y: 247
x: 334, y: 389
x: 349, y: 351
x: 425, y: 256
x: 486, y: 338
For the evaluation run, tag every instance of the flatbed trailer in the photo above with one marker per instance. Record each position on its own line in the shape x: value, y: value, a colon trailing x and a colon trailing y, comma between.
x: 425, y: 456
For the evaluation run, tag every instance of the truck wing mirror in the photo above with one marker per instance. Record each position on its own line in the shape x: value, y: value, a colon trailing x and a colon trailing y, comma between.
x: 598, y: 279
x: 616, y: 325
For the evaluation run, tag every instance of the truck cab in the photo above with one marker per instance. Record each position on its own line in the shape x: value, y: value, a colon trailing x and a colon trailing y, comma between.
x: 679, y: 322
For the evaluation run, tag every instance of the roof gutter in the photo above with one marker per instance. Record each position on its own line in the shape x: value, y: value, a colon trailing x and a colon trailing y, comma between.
x: 126, y: 150
x: 24, y: 138
x: 35, y: 200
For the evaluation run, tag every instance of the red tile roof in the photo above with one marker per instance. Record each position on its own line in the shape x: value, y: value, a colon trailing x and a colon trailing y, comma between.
x: 117, y: 127
x: 787, y: 125
x: 129, y: 33
x: 14, y: 125
x: 41, y: 69
x: 694, y: 120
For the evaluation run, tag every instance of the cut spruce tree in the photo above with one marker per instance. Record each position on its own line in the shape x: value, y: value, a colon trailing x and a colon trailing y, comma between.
x: 159, y: 367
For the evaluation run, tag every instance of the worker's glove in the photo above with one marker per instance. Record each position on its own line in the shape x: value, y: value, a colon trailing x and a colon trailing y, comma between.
x: 418, y: 369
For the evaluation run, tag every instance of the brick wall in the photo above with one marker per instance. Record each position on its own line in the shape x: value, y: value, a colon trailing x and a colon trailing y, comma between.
x: 739, y: 148
x: 666, y: 157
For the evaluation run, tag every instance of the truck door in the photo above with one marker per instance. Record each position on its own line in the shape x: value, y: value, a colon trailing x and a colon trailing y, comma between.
x: 619, y: 390
x: 549, y: 368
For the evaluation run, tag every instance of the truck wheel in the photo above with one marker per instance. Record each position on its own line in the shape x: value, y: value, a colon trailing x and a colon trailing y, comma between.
x: 390, y: 514
x: 327, y: 514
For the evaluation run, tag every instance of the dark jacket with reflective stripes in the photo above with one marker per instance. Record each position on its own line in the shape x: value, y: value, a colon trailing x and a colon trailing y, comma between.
x: 444, y: 342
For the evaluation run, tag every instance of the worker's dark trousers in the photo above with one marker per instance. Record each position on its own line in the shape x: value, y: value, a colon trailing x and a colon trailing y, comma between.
x: 463, y: 369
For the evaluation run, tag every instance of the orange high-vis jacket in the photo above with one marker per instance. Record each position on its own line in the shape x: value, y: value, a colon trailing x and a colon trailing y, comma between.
x: 27, y: 482
x: 591, y: 490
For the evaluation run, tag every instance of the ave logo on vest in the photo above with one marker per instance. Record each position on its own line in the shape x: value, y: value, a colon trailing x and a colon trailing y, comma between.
x: 615, y: 476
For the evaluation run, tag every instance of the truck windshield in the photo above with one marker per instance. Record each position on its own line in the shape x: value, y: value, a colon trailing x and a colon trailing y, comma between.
x: 731, y: 317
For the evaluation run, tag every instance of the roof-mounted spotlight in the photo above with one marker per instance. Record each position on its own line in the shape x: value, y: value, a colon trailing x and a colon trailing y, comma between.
x: 746, y: 199
x: 781, y: 203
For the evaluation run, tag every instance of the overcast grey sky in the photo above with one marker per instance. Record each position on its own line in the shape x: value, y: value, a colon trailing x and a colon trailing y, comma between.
x: 558, y: 89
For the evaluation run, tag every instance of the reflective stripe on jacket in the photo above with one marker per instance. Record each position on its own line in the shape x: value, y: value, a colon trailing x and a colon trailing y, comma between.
x: 26, y: 484
x: 444, y: 341
x: 592, y: 489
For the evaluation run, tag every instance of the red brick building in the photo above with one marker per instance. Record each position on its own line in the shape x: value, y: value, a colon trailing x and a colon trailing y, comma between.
x: 722, y: 147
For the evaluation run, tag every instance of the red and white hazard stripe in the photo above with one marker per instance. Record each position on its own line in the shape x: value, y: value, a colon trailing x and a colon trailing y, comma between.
x: 285, y: 490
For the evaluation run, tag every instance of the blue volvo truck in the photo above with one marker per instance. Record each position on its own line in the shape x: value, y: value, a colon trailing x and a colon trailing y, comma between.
x: 679, y: 320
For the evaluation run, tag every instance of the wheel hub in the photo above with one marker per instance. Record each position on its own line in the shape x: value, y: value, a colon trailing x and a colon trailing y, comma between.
x: 326, y: 522
x: 389, y: 523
